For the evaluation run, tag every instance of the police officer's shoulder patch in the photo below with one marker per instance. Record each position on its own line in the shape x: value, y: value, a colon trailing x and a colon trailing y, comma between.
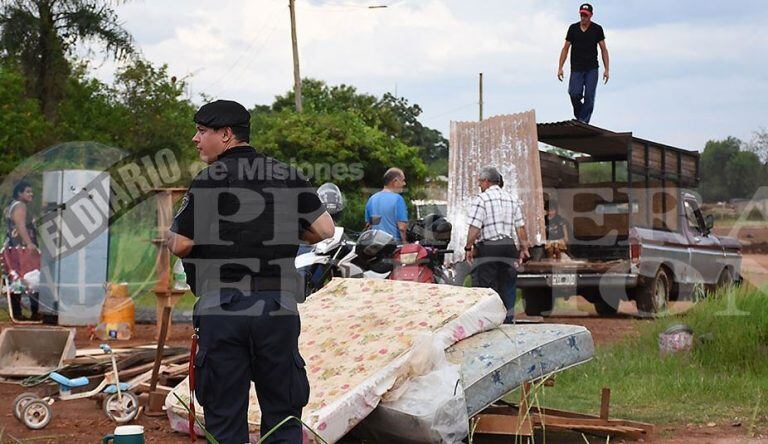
x: 184, y: 203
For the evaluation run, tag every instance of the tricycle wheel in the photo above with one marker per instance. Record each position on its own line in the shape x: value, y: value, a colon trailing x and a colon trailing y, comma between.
x: 37, y: 414
x: 538, y: 301
x: 121, y: 410
x: 21, y: 401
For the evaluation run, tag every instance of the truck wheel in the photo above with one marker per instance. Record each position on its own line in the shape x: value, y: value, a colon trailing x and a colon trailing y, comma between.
x: 605, y: 304
x: 652, y: 296
x: 604, y: 308
x: 725, y: 279
x: 537, y: 301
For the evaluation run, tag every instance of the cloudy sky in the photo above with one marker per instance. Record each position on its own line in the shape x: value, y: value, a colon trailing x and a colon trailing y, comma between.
x: 682, y: 72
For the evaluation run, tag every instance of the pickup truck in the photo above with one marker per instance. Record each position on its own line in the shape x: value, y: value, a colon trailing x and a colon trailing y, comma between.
x: 635, y: 231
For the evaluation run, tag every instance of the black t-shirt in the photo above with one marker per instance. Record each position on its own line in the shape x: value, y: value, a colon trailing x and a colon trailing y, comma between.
x: 584, y: 46
x: 245, y: 212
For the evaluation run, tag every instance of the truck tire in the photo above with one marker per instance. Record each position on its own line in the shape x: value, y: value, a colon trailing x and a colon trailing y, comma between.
x: 537, y: 301
x: 605, y: 304
x: 652, y: 296
x: 604, y: 308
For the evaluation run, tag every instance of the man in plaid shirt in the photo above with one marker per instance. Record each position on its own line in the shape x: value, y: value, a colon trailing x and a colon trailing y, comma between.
x: 496, y: 238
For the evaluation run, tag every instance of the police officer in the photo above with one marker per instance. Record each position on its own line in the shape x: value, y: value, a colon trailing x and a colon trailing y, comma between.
x: 238, y: 230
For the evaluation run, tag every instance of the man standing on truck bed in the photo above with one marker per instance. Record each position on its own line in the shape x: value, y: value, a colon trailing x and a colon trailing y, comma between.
x: 496, y: 237
x: 584, y: 36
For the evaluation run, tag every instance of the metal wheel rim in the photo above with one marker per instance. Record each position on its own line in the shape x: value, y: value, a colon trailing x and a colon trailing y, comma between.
x: 21, y: 402
x: 698, y: 292
x: 660, y: 293
x: 37, y: 414
x: 121, y: 412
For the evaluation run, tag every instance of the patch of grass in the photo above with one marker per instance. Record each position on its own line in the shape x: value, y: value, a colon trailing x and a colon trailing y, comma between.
x: 723, y: 378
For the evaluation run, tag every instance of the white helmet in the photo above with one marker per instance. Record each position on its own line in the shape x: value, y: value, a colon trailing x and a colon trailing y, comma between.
x: 331, y: 196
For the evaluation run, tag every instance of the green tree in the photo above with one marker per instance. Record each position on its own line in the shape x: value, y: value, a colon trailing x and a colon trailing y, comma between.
x: 394, y: 116
x: 339, y: 137
x: 22, y: 126
x: 154, y: 114
x: 714, y: 181
x: 41, y: 34
x: 759, y: 144
x: 399, y: 118
x: 89, y: 111
x: 744, y: 174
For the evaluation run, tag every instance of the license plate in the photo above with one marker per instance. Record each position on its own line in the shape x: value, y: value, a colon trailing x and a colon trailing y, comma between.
x: 563, y: 280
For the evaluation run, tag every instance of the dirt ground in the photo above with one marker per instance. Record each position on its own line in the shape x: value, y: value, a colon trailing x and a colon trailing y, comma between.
x: 83, y: 421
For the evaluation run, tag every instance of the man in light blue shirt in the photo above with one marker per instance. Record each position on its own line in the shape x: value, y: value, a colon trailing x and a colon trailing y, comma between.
x: 386, y: 209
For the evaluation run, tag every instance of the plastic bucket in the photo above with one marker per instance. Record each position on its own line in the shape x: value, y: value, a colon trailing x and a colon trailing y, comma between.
x: 118, y: 307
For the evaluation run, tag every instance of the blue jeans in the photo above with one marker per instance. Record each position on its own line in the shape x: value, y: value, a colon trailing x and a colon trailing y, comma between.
x: 510, y: 295
x: 581, y: 87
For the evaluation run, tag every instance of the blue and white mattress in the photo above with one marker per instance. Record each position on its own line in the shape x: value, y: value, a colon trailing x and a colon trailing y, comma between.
x: 497, y: 361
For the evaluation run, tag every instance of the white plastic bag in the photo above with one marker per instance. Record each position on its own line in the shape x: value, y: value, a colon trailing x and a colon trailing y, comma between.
x: 429, y: 407
x: 32, y: 280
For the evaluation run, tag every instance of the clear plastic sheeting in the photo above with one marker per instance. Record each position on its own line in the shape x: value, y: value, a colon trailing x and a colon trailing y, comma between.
x: 428, y: 408
x: 509, y: 143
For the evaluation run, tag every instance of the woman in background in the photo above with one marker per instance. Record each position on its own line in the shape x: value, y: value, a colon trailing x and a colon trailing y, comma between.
x: 21, y: 233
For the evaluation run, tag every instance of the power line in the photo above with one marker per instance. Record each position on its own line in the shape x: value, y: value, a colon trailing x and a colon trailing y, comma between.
x: 459, y: 108
x: 259, y: 34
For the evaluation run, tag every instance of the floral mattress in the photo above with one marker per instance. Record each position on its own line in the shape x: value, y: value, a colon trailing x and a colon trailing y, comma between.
x: 357, y: 336
x: 498, y: 361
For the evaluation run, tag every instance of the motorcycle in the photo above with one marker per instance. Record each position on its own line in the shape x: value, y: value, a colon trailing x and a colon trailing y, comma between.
x: 422, y: 258
x: 417, y: 263
x: 339, y: 256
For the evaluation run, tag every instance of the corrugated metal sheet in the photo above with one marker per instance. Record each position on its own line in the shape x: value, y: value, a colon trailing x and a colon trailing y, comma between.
x: 509, y: 143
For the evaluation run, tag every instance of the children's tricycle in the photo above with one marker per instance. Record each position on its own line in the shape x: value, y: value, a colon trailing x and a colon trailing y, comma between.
x: 120, y: 404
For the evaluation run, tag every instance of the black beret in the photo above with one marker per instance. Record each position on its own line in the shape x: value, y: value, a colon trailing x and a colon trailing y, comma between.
x: 222, y: 113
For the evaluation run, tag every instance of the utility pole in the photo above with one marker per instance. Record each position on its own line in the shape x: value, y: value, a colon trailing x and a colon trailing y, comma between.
x: 481, y: 96
x: 294, y: 43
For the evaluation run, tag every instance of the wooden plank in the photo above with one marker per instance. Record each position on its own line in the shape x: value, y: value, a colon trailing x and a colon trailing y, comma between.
x: 511, y: 425
x: 590, y: 420
x: 654, y: 158
x: 689, y: 166
x: 638, y: 155
x: 160, y: 346
x: 507, y: 407
x: 605, y: 402
x: 128, y: 373
x: 559, y: 420
x: 670, y: 161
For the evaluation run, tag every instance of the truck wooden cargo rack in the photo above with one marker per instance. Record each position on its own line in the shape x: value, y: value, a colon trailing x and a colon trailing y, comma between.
x: 646, y: 164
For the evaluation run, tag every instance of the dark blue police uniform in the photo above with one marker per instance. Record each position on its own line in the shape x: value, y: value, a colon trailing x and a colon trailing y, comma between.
x: 245, y: 213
